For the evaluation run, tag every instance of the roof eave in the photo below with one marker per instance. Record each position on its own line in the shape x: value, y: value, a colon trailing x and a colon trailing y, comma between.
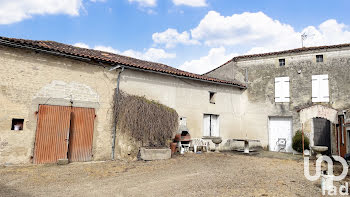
x: 89, y: 59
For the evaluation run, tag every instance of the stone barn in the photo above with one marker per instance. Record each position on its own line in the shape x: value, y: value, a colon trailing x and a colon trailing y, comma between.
x: 57, y: 101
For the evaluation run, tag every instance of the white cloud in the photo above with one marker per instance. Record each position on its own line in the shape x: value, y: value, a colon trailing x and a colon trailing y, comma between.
x: 145, y: 3
x: 192, y: 3
x: 327, y: 33
x: 81, y: 45
x: 12, y: 11
x: 171, y: 38
x: 246, y: 33
x: 151, y: 54
x: 249, y: 29
x: 256, y: 33
x: 150, y: 12
x: 107, y: 49
x: 215, y: 58
x: 261, y: 33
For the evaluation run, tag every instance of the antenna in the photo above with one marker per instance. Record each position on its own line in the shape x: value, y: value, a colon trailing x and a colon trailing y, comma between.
x: 303, y: 37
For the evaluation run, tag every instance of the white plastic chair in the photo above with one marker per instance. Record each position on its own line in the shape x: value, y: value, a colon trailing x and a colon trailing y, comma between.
x: 196, y: 142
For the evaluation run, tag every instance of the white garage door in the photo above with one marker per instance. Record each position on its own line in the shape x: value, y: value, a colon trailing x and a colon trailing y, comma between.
x: 280, y: 128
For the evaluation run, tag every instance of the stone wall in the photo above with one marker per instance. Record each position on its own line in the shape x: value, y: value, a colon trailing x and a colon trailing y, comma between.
x: 29, y: 79
x: 190, y: 99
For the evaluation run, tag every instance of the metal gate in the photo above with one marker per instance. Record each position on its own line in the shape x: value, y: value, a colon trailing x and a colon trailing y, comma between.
x: 81, y: 134
x: 63, y: 132
x: 51, y: 140
x: 322, y: 133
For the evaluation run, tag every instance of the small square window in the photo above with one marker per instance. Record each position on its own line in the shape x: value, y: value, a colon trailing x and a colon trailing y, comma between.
x: 212, y: 97
x: 282, y: 62
x: 319, y: 58
x: 17, y: 124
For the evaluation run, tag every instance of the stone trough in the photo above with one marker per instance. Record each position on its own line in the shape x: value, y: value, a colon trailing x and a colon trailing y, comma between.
x: 150, y: 154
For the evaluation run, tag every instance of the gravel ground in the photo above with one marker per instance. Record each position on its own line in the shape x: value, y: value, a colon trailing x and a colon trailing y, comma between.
x: 209, y: 174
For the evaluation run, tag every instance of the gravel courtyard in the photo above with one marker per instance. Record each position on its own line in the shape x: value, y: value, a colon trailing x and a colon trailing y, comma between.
x: 209, y: 174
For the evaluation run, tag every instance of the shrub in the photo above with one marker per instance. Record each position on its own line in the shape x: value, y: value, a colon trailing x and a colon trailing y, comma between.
x: 146, y: 121
x: 298, y: 143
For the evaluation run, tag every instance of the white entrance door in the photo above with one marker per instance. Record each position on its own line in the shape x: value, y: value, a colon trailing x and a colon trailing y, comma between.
x: 280, y: 128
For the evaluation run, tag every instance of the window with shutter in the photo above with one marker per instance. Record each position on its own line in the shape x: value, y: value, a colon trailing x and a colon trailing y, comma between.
x: 211, y: 125
x: 278, y: 90
x: 215, y: 125
x: 320, y: 88
x: 282, y: 89
x: 285, y: 89
x: 206, y: 125
x: 324, y: 88
x: 315, y: 88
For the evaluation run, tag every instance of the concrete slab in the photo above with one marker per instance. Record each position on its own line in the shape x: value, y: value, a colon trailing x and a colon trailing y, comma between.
x: 148, y: 154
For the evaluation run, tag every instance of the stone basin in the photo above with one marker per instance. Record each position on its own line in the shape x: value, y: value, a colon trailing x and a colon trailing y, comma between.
x: 216, y: 141
x: 319, y: 150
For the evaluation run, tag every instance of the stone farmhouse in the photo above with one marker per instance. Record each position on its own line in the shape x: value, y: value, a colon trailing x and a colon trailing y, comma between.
x: 45, y: 86
x: 300, y: 89
x: 43, y: 81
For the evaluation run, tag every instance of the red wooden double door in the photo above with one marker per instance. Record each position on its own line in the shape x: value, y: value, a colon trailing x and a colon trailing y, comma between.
x: 63, y: 133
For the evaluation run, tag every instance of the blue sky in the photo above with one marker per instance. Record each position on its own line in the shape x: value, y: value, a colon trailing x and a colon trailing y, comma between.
x: 194, y: 35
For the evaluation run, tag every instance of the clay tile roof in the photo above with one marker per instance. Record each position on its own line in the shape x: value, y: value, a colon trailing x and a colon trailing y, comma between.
x: 112, y: 58
x: 297, y: 50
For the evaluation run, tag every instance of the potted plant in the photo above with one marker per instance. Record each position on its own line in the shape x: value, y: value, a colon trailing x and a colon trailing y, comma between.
x: 173, y: 146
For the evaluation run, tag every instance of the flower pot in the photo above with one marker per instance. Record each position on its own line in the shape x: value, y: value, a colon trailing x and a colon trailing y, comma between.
x: 178, y: 137
x: 173, y: 146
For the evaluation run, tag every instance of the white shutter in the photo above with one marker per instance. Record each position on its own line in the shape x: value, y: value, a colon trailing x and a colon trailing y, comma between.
x: 285, y: 89
x: 315, y: 88
x: 278, y: 89
x: 282, y: 89
x: 324, y: 88
x: 206, y: 125
x: 320, y: 88
x: 215, y: 125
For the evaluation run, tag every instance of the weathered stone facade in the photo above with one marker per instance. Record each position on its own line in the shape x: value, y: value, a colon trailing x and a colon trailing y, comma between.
x: 29, y: 79
x: 260, y: 72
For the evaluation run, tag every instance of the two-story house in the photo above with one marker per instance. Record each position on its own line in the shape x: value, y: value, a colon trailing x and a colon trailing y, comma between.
x: 301, y: 89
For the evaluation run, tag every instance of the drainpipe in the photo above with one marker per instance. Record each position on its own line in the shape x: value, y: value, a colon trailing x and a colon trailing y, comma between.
x: 246, y: 77
x: 115, y: 112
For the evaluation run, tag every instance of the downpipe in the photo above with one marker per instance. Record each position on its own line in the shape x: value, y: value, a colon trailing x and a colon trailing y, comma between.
x: 115, y: 113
